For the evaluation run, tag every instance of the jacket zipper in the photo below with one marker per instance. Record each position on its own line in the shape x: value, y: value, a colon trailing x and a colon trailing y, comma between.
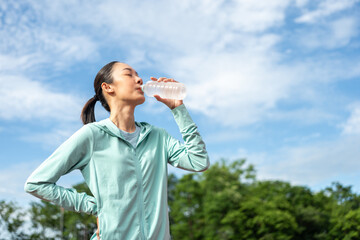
x: 140, y: 198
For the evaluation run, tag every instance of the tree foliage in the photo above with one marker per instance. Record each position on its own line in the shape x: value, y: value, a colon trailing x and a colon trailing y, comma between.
x: 224, y: 202
x: 11, y: 221
x: 229, y: 203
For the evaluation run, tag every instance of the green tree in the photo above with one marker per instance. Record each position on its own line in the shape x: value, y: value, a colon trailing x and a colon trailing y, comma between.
x: 12, y: 220
x: 227, y: 202
x: 172, y: 181
x: 224, y: 202
x: 347, y: 228
x: 345, y: 212
x: 225, y: 186
x: 263, y: 213
x: 186, y: 209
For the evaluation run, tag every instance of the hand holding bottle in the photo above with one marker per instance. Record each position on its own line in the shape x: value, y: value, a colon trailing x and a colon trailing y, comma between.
x: 171, y: 103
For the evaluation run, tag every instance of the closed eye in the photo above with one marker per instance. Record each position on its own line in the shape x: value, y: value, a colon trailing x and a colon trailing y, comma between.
x: 131, y: 71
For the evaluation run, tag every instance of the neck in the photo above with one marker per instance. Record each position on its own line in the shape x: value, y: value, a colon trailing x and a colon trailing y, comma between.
x: 123, y: 117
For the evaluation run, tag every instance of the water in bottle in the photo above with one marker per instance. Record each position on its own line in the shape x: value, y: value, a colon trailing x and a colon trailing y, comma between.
x: 170, y: 90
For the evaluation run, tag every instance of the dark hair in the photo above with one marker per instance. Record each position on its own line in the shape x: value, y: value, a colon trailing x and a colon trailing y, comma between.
x: 104, y: 75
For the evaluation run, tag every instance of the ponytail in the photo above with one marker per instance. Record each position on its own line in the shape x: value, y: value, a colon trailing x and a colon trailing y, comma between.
x: 104, y: 75
x: 88, y: 112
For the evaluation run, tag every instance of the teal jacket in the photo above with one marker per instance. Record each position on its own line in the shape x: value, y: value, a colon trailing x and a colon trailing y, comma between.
x: 129, y: 184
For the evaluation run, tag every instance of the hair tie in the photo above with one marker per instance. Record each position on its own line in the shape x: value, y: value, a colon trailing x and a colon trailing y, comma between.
x: 96, y: 97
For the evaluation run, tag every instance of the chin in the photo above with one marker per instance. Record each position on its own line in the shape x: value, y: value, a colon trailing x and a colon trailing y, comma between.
x: 141, y: 100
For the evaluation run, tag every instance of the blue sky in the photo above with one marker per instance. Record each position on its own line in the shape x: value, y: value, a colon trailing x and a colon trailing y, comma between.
x: 275, y: 82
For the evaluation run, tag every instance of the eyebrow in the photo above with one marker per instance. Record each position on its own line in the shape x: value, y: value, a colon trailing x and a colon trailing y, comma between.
x: 129, y: 69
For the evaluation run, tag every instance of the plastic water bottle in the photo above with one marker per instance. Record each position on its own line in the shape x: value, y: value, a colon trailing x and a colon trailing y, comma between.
x: 170, y: 90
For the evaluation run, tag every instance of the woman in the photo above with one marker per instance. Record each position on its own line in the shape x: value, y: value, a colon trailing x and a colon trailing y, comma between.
x: 123, y: 162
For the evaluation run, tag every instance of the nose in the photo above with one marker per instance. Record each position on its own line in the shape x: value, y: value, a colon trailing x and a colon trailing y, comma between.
x: 139, y: 80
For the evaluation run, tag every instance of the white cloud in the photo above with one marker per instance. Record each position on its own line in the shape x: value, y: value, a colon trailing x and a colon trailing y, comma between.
x: 29, y: 47
x: 312, y: 165
x: 352, y: 125
x: 157, y: 17
x: 63, y: 50
x: 225, y: 136
x: 184, y: 25
x: 224, y: 50
x: 27, y: 35
x: 240, y: 86
x: 51, y: 139
x: 343, y: 30
x: 332, y: 34
x: 325, y: 9
x: 10, y: 63
x: 208, y: 43
x: 230, y: 65
x: 255, y: 16
x: 247, y: 85
x: 307, y: 116
x: 25, y: 99
x: 301, y: 3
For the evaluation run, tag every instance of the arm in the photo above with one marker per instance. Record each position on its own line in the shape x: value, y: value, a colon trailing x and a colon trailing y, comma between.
x: 191, y: 155
x: 73, y: 154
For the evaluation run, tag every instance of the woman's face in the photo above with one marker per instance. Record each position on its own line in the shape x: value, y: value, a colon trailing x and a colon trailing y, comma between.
x: 126, y: 85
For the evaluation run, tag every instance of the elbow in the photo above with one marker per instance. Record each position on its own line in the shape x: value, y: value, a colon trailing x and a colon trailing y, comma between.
x: 29, y: 187
x: 35, y: 190
x: 204, y: 166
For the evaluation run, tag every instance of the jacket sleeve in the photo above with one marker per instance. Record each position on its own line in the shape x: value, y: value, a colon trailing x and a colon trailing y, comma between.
x: 192, y: 154
x: 73, y: 154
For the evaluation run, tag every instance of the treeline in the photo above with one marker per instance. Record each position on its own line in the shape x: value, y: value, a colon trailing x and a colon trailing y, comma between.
x: 224, y: 202
x: 227, y: 202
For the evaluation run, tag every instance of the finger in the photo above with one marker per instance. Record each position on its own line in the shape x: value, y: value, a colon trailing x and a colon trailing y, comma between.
x: 154, y: 79
x: 170, y: 80
x: 161, y: 79
x: 158, y: 98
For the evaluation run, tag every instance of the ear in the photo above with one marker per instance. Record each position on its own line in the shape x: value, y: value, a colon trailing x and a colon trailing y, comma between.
x: 107, y: 87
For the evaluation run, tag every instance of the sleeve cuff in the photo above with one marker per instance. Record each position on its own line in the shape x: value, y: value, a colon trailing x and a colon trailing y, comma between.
x: 93, y: 205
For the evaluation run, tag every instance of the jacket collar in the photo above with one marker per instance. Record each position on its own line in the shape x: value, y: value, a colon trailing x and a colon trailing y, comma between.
x: 109, y: 127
